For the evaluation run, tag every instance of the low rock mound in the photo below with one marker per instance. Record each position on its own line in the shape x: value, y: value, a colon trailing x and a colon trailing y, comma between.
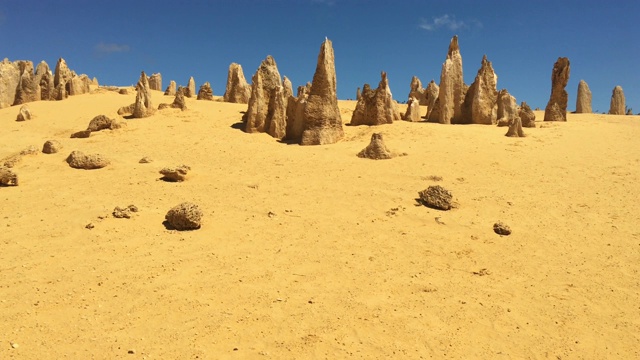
x: 8, y: 177
x: 51, y: 147
x: 178, y: 173
x: 24, y: 114
x: 376, y: 149
x: 82, y: 134
x: 14, y: 159
x: 178, y: 101
x: 186, y: 216
x: 437, y: 197
x: 102, y: 122
x: 501, y: 228
x: 124, y: 213
x: 515, y: 128
x: 79, y: 160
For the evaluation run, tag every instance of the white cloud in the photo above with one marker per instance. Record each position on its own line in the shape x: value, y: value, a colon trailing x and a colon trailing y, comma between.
x: 449, y: 22
x: 106, y: 48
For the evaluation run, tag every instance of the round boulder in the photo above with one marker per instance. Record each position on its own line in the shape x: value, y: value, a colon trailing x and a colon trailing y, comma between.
x: 186, y: 216
x: 51, y: 147
x: 79, y: 160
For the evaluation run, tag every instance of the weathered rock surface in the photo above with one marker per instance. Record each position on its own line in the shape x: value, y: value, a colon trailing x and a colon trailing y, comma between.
x: 358, y: 94
x: 501, y: 228
x: 125, y: 212
x: 583, y: 100
x: 278, y: 113
x: 51, y: 147
x: 8, y: 177
x: 178, y: 102
x: 155, y: 82
x: 481, y: 99
x: 413, y: 110
x: 205, y: 92
x: 376, y: 149
x: 295, y: 114
x: 617, y: 106
x: 9, y: 79
x: 288, y: 88
x: 190, y: 90
x: 175, y: 174
x: 237, y: 90
x: 78, y: 85
x: 47, y: 88
x: 24, y: 114
x: 436, y: 197
x: 28, y: 89
x: 556, y: 109
x: 102, y: 122
x: 171, y: 89
x: 452, y: 86
x: 527, y: 116
x: 417, y: 91
x: 376, y: 107
x: 432, y: 93
x: 143, y: 107
x: 82, y: 134
x: 79, y: 160
x: 185, y: 216
x: 265, y: 81
x: 515, y: 128
x: 507, y: 108
x: 322, y: 121
x: 62, y: 75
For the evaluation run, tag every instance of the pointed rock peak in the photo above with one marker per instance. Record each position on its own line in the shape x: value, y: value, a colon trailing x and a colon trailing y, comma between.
x: 384, y: 82
x: 453, y: 46
x: 269, y: 61
x: 484, y: 59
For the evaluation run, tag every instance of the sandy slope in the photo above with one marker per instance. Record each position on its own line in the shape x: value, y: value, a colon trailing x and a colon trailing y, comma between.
x: 347, y: 267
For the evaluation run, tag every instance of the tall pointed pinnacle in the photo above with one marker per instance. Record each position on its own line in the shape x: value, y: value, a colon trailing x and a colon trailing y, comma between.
x: 453, y: 47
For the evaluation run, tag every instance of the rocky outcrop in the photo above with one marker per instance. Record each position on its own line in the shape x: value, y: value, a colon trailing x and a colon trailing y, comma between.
x: 265, y: 81
x: 376, y: 150
x: 295, y: 114
x: 288, y: 88
x: 417, y: 91
x: 358, y: 94
x: 515, y: 128
x: 143, y: 106
x: 205, y: 92
x: 28, y: 88
x: 556, y: 109
x: 79, y: 85
x: 237, y: 90
x: 437, y: 197
x: 452, y: 87
x: 617, y: 106
x: 527, y: 116
x: 102, y: 122
x: 376, y: 107
x: 432, y: 93
x: 277, y: 113
x: 583, y: 100
x: 178, y: 101
x: 507, y: 108
x: 9, y: 79
x: 8, y: 177
x: 480, y: 105
x: 413, y: 110
x: 46, y: 86
x: 190, y: 90
x: 322, y: 121
x: 155, y: 82
x: 185, y: 216
x: 175, y: 174
x: 51, y: 147
x: 171, y: 89
x: 62, y: 74
x: 24, y: 114
x: 79, y: 160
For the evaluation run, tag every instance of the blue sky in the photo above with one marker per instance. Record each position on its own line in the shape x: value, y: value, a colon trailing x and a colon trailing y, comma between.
x: 115, y: 40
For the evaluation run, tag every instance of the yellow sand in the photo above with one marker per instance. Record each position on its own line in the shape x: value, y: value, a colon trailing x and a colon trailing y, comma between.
x: 346, y: 265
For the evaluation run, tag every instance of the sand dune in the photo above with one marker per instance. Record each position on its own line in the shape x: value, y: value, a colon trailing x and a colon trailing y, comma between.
x: 312, y: 252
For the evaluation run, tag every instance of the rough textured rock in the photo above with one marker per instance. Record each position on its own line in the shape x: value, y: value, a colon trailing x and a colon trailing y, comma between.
x: 480, y: 105
x: 178, y: 101
x: 171, y: 89
x: 94, y: 82
x: 79, y: 160
x: 59, y: 92
x: 9, y: 79
x: 125, y: 212
x: 175, y: 174
x: 237, y: 90
x: 322, y: 121
x: 295, y: 114
x: 432, y: 94
x: 24, y: 114
x: 436, y: 197
x: 78, y: 85
x: 190, y: 90
x: 14, y: 159
x: 28, y: 88
x: 501, y: 228
x: 265, y: 81
x: 527, y: 116
x: 62, y: 74
x: 413, y: 110
x: 155, y: 82
x: 515, y: 128
x: 82, y: 134
x: 583, y: 100
x: 51, y: 147
x: 376, y: 107
x: 47, y: 88
x: 507, y: 108
x: 358, y: 94
x: 556, y: 109
x: 145, y: 160
x: 8, y: 177
x: 185, y: 216
x: 278, y: 113
x: 205, y: 92
x: 143, y: 106
x: 417, y: 91
x: 288, y: 87
x: 376, y: 149
x: 452, y: 87
x: 617, y: 106
x: 102, y: 122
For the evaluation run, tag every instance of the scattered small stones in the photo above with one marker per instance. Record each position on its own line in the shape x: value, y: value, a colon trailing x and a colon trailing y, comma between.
x: 436, y: 197
x: 8, y: 177
x: 482, y: 272
x: 179, y: 173
x: 145, y: 160
x: 79, y: 160
x: 82, y: 134
x: 185, y: 216
x: 24, y: 114
x: 124, y: 213
x: 501, y: 228
x: 51, y: 147
x: 89, y: 226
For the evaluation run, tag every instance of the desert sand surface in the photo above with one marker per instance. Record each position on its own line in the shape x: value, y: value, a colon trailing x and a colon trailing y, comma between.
x: 311, y: 252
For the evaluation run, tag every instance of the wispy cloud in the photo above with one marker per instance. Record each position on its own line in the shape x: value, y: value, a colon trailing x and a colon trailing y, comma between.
x: 110, y: 48
x: 448, y: 22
